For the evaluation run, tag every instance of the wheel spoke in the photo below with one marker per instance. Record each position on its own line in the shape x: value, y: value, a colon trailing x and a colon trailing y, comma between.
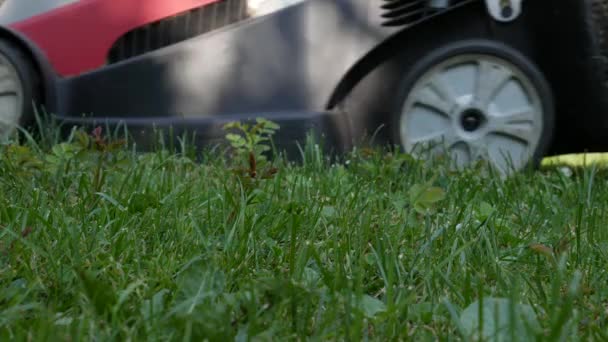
x: 496, y: 165
x: 443, y: 90
x: 516, y: 132
x: 523, y: 116
x: 5, y: 72
x: 476, y: 150
x: 7, y: 86
x: 5, y: 126
x: 446, y: 138
x: 490, y: 81
x: 460, y: 154
x: 508, y: 161
x: 427, y: 99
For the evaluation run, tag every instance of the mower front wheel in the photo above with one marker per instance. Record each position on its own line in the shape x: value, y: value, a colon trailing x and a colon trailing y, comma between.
x: 475, y: 100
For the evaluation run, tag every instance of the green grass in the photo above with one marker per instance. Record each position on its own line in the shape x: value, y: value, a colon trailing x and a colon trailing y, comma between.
x: 103, y: 243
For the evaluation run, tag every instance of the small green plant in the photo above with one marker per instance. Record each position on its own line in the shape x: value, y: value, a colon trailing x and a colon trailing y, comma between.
x: 249, y: 145
x: 20, y: 160
x: 424, y: 197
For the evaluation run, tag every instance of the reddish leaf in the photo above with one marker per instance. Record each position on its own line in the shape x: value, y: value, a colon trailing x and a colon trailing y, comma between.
x: 252, y: 165
x: 542, y: 249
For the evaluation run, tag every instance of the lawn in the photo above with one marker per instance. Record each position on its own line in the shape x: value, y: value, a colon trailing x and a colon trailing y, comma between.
x: 98, y: 242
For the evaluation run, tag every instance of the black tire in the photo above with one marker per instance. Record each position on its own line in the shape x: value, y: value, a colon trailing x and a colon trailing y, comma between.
x: 427, y: 60
x: 29, y: 87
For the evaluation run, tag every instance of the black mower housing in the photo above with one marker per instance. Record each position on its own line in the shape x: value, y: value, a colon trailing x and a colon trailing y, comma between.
x: 332, y: 66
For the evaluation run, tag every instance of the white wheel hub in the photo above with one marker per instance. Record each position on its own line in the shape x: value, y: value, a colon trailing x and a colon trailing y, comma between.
x: 474, y: 107
x: 11, y: 98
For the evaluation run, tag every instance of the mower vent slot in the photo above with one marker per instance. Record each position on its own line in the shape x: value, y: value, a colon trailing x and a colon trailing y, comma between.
x: 410, y: 12
x: 178, y: 28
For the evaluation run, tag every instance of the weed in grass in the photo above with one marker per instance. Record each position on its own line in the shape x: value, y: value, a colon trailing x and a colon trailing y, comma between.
x: 249, y: 145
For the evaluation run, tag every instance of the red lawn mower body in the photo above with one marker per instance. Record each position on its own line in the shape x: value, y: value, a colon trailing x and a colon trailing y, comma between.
x: 76, y: 36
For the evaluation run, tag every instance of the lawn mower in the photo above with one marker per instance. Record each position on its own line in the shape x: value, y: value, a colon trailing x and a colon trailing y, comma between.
x: 504, y: 81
